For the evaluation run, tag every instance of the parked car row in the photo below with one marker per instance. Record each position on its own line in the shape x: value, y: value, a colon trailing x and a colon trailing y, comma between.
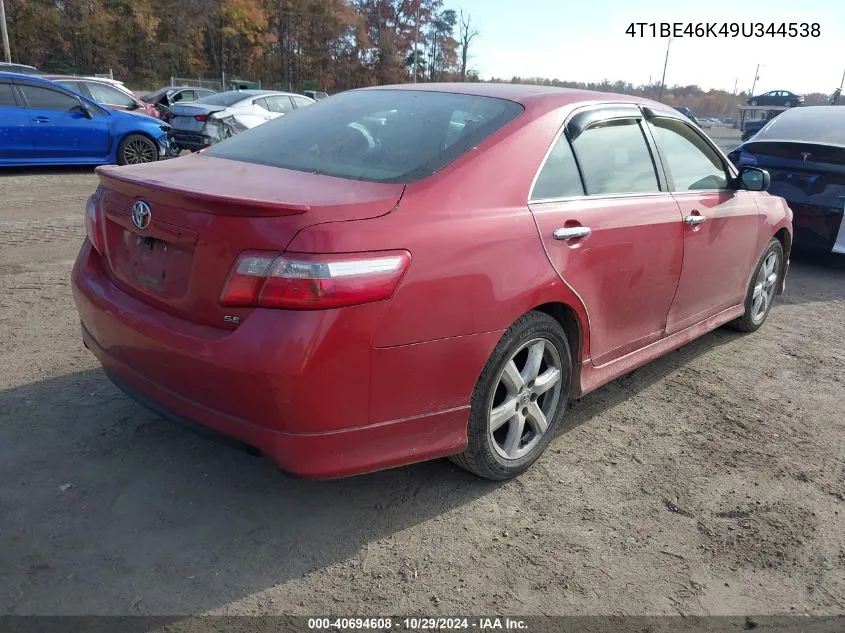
x: 201, y: 123
x: 43, y: 122
x: 62, y: 119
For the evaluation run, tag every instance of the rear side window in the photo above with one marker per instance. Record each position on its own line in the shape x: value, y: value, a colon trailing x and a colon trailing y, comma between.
x: 108, y: 95
x: 7, y: 96
x: 615, y: 159
x: 559, y: 176
x: 691, y: 162
x: 46, y: 99
x: 377, y: 135
x: 279, y: 103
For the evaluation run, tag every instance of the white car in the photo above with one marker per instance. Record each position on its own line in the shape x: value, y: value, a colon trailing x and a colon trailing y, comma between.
x: 201, y: 123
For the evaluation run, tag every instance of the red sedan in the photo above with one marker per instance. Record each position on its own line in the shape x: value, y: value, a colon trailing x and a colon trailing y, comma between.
x: 404, y: 273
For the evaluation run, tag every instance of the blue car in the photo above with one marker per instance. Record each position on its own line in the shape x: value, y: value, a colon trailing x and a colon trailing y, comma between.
x: 43, y: 123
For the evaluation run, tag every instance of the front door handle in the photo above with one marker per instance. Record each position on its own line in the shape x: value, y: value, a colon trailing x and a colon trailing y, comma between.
x: 42, y: 119
x: 572, y: 232
x: 693, y: 220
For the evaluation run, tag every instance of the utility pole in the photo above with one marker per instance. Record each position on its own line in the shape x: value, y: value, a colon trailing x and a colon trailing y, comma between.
x: 736, y: 81
x: 7, y: 54
x: 665, y: 64
x: 756, y: 77
x: 417, y: 40
x: 835, y: 101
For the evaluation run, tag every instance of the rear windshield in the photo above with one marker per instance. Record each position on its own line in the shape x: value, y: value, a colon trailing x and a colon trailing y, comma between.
x: 396, y: 136
x: 223, y: 98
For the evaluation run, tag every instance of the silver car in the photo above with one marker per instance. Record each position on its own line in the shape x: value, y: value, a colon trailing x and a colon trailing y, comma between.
x: 211, y: 119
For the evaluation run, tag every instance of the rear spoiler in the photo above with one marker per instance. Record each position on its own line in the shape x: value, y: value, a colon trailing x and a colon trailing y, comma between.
x: 194, y: 200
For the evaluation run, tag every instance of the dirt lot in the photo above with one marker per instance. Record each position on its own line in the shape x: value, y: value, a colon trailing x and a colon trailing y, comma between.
x: 711, y: 481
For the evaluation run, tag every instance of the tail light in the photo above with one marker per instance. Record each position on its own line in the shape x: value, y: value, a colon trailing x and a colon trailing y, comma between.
x: 201, y: 117
x: 297, y: 281
x: 94, y: 221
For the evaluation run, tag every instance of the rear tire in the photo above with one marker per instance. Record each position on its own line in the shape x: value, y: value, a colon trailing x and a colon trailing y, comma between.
x: 519, y: 399
x: 136, y: 149
x: 754, y: 103
x: 762, y: 290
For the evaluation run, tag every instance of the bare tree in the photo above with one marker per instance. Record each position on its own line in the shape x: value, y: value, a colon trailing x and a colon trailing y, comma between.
x: 467, y: 33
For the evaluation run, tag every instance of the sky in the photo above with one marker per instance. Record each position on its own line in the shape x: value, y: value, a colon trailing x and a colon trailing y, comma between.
x: 585, y: 40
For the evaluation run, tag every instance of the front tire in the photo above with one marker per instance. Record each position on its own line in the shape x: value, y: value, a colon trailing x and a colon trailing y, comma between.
x: 136, y: 149
x: 519, y: 399
x: 754, y: 103
x: 762, y: 289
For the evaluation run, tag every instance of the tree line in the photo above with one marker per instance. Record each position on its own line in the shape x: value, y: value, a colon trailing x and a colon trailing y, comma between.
x: 300, y: 44
x: 329, y: 45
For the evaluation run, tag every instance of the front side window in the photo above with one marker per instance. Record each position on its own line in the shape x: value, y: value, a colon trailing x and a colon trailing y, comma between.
x: 301, y: 102
x: 559, y: 177
x: 46, y: 99
x: 615, y: 159
x: 692, y: 164
x: 7, y: 96
x: 109, y: 96
x: 379, y: 135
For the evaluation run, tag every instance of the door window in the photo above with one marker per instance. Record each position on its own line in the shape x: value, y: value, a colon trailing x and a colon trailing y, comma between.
x: 692, y: 164
x: 184, y: 95
x: 615, y: 158
x: 46, y: 99
x: 261, y: 103
x: 301, y: 102
x: 279, y: 103
x: 7, y: 96
x: 71, y: 85
x: 559, y: 176
x: 108, y: 95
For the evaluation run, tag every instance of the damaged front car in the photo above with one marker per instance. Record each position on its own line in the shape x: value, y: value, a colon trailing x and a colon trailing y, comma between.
x: 215, y: 118
x: 803, y: 149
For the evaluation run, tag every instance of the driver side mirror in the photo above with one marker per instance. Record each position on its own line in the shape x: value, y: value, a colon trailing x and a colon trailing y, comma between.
x: 84, y: 110
x: 754, y: 179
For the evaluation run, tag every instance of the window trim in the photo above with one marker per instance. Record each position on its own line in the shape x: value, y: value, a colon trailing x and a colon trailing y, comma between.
x: 616, y: 111
x: 24, y: 102
x: 15, y: 95
x: 730, y: 171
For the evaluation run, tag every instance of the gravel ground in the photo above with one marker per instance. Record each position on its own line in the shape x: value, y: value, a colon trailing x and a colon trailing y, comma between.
x: 711, y: 481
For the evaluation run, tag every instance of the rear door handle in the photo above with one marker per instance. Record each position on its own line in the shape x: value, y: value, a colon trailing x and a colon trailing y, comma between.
x: 692, y: 220
x: 42, y: 119
x: 572, y: 232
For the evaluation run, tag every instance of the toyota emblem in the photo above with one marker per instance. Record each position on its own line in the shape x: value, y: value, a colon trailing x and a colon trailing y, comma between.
x: 141, y: 215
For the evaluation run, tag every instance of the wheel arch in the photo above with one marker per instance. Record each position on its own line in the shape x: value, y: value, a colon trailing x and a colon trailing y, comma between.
x: 575, y: 331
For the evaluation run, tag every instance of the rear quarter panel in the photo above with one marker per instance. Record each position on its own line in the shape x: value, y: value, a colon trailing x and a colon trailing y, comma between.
x: 477, y: 260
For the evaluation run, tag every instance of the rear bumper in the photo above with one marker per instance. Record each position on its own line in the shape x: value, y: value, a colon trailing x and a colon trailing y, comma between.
x: 189, y: 140
x: 301, y: 398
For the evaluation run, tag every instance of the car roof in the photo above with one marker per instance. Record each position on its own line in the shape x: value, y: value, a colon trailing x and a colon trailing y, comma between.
x: 23, y: 77
x: 524, y: 93
x: 823, y: 125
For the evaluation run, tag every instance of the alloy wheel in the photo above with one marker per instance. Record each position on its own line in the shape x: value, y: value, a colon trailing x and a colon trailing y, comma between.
x: 139, y: 151
x: 525, y: 398
x: 765, y: 287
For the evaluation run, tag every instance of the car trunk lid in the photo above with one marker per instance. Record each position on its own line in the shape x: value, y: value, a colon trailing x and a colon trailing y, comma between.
x: 204, y: 212
x: 184, y: 117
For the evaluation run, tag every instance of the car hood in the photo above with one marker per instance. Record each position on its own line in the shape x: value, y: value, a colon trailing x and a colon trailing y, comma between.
x: 134, y: 117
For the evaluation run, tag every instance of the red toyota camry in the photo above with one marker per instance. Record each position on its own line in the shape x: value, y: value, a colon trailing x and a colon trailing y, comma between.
x: 402, y: 273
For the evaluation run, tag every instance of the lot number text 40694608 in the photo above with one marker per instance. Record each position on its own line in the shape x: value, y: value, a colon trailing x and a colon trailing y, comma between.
x: 724, y: 29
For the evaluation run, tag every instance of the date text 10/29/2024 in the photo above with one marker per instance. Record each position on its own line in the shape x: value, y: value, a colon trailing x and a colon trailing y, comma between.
x: 724, y: 29
x: 417, y: 624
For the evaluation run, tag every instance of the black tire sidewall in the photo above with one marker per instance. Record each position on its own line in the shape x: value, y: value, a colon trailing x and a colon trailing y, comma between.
x: 532, y: 325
